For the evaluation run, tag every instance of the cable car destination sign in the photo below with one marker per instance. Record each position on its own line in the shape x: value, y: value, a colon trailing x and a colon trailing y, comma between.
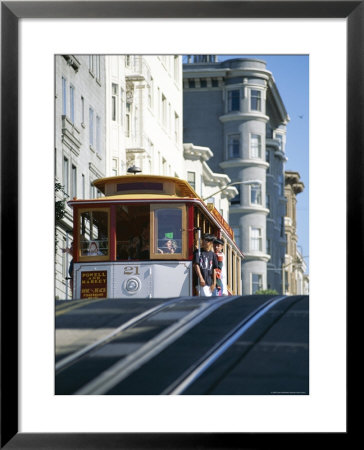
x: 93, y: 284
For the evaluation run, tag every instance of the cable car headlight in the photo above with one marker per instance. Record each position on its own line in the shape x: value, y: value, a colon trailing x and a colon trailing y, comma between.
x: 132, y: 285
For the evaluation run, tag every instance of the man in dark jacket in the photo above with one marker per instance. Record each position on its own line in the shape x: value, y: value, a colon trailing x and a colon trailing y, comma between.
x: 205, y: 264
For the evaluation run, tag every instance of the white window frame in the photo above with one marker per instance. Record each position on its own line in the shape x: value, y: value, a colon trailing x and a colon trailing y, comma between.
x: 259, y: 196
x: 114, y: 167
x: 260, y: 282
x: 191, y: 179
x: 256, y: 242
x: 255, y: 150
x: 251, y: 90
x: 279, y: 138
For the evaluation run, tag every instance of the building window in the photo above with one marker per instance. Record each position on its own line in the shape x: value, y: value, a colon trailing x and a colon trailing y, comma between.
x: 282, y: 227
x: 83, y: 110
x: 92, y: 190
x: 203, y: 83
x: 66, y: 175
x: 83, y: 186
x: 176, y: 127
x: 268, y: 246
x: 91, y: 127
x: 267, y: 203
x: 164, y: 111
x: 255, y: 100
x: 255, y: 194
x: 257, y: 282
x: 65, y: 258
x: 215, y: 83
x: 281, y: 185
x: 191, y: 84
x: 73, y: 181
x: 72, y: 104
x: 150, y: 92
x: 256, y: 239
x: 191, y: 178
x: 234, y: 146
x: 114, y: 101
x: 236, y: 199
x: 234, y: 100
x: 64, y: 97
x: 237, y: 236
x: 255, y: 146
x: 114, y: 168
x: 127, y: 119
x: 279, y: 138
x: 98, y: 131
x: 176, y: 68
x: 98, y: 67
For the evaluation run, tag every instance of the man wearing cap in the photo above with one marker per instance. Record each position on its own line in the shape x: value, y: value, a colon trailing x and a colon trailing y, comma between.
x: 205, y: 264
x: 221, y: 275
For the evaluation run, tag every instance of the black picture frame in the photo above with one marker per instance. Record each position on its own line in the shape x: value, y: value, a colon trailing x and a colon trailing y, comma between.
x: 11, y: 13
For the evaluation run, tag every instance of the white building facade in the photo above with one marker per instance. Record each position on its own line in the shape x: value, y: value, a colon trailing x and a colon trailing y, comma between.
x: 80, y: 152
x: 144, y: 114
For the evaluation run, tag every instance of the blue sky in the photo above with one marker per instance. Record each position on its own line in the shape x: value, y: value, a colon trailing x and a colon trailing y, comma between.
x: 291, y: 74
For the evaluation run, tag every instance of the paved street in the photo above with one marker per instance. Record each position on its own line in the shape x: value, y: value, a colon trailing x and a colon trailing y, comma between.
x: 248, y: 345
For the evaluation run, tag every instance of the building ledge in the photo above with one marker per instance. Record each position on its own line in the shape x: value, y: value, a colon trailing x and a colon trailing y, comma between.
x: 236, y: 115
x: 256, y: 257
x: 239, y: 162
x: 72, y: 61
x: 70, y: 135
x: 248, y: 210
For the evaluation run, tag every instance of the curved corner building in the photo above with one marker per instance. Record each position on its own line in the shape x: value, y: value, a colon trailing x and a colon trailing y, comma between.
x: 234, y: 108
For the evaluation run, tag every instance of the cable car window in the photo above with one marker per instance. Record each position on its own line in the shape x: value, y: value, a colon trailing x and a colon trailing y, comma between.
x: 94, y: 233
x: 168, y: 231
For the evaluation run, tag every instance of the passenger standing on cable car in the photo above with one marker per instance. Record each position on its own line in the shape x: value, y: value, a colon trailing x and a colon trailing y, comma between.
x: 205, y: 264
x: 221, y: 288
x: 70, y: 269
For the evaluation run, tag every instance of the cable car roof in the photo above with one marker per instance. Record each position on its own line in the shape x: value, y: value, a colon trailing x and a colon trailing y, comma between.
x: 144, y: 185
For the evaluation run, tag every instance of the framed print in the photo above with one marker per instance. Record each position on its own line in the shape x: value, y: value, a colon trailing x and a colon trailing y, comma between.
x: 14, y: 17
